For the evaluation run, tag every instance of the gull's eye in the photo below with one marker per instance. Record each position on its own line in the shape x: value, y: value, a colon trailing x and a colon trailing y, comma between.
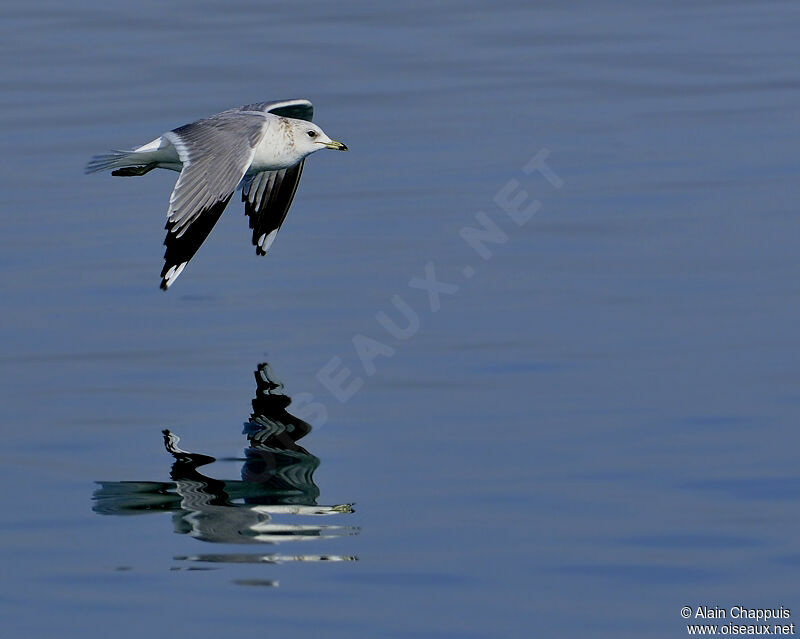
x: 312, y: 134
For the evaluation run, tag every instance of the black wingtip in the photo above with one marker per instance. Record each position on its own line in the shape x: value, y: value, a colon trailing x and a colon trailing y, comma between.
x: 164, y: 286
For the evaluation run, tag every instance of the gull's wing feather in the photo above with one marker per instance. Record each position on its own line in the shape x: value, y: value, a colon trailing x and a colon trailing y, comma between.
x: 215, y: 152
x: 181, y: 248
x: 300, y: 109
x: 267, y: 197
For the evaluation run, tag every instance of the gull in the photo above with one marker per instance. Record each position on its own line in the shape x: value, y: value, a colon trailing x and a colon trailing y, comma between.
x: 258, y: 147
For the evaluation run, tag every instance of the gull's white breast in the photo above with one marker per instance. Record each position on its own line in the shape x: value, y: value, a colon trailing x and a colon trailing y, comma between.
x: 276, y: 149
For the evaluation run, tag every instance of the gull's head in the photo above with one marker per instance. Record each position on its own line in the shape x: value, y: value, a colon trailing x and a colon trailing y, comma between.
x: 308, y: 137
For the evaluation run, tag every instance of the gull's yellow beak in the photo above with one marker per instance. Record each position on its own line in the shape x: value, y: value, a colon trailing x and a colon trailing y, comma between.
x: 336, y: 146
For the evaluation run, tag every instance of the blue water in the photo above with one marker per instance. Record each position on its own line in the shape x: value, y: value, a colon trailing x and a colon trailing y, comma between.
x: 578, y: 435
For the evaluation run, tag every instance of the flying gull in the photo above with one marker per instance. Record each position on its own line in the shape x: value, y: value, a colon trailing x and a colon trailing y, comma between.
x: 261, y: 147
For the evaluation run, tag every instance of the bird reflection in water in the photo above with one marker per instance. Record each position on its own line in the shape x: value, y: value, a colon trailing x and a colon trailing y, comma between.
x: 276, y: 489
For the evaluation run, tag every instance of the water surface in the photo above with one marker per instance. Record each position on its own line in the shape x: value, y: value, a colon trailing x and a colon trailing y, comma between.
x: 595, y: 428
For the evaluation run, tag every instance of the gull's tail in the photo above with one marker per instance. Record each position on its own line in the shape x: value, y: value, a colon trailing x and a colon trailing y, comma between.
x: 113, y: 160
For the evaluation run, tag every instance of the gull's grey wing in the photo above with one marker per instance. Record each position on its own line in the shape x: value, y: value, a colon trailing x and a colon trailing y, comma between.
x: 215, y: 152
x: 267, y: 197
x: 300, y: 109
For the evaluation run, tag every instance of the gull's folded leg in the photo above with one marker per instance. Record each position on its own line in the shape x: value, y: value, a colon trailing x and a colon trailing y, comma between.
x: 130, y: 171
